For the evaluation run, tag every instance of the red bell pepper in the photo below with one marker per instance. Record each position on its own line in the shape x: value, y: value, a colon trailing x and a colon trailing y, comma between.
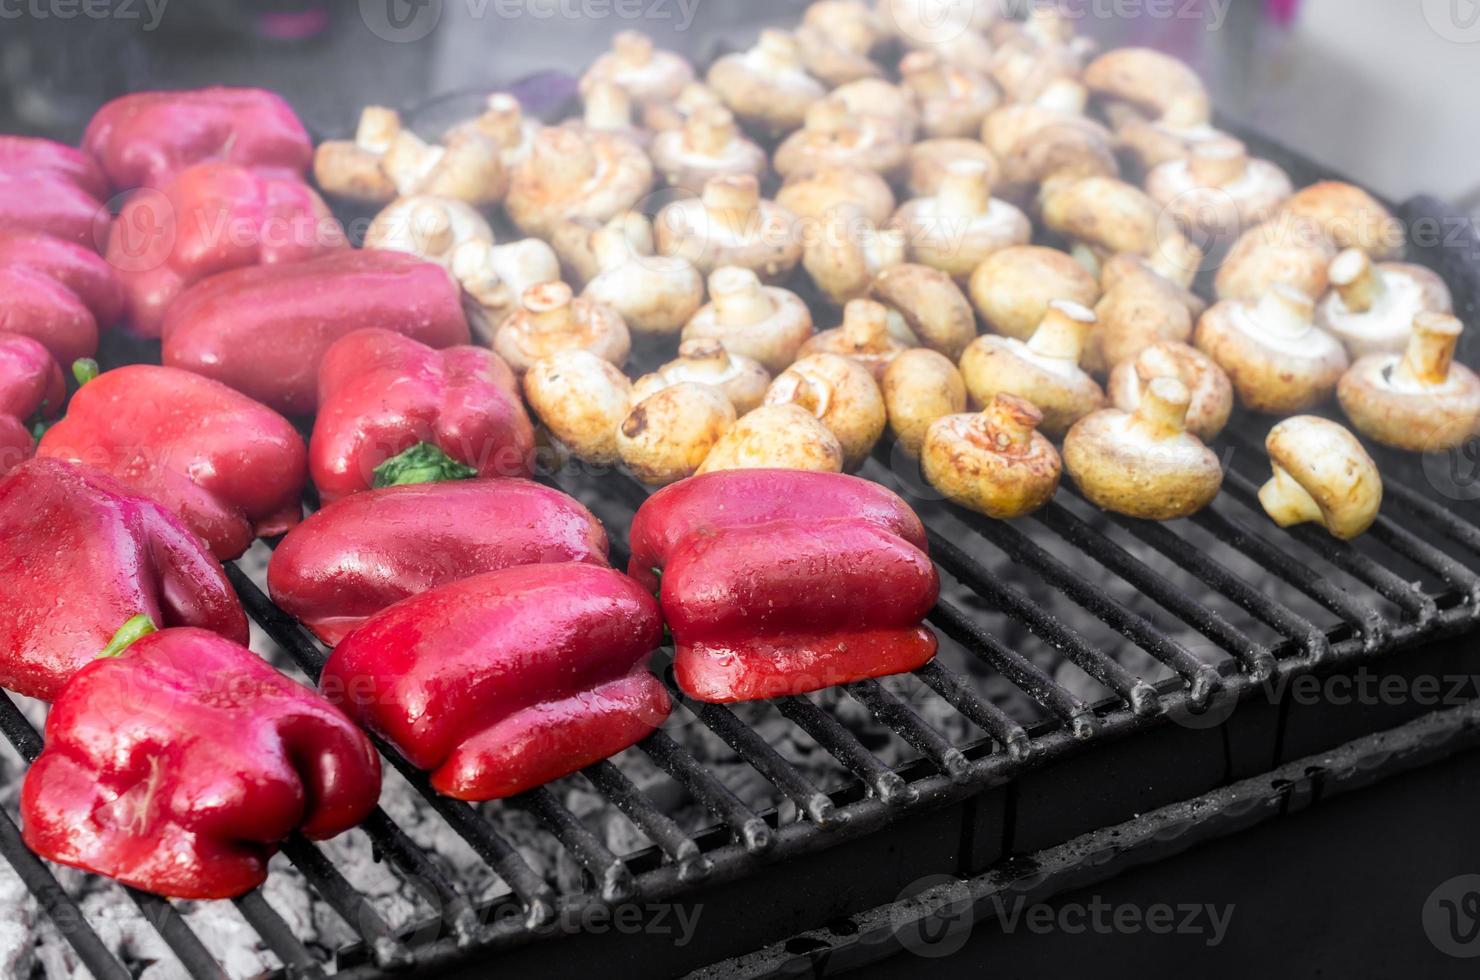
x: 83, y: 272
x: 370, y: 550
x: 178, y: 765
x: 393, y: 410
x: 144, y: 139
x: 52, y: 189
x: 265, y: 329
x: 504, y: 681
x: 207, y: 219
x: 83, y: 554
x: 31, y: 389
x: 232, y: 469
x: 781, y: 582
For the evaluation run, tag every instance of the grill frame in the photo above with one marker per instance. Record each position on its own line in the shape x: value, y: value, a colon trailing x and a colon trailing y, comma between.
x: 957, y: 810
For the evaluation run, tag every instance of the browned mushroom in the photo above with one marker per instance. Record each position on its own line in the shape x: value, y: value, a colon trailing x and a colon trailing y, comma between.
x: 952, y: 100
x: 1140, y: 307
x: 1012, y: 288
x: 925, y: 307
x: 581, y: 399
x: 863, y: 337
x: 1322, y: 475
x: 1036, y: 144
x: 1144, y: 83
x: 1287, y: 251
x: 730, y: 225
x: 1105, y: 217
x: 352, y: 168
x: 1350, y: 217
x: 919, y: 387
x: 835, y: 39
x: 961, y: 225
x: 653, y: 294
x: 503, y: 121
x: 993, y: 461
x: 1143, y: 463
x: 1218, y: 190
x: 1371, y: 306
x: 1045, y: 369
x: 386, y: 160
x: 1420, y: 400
x: 551, y: 319
x: 575, y: 174
x: 668, y: 434
x: 767, y: 86
x: 432, y: 228
x: 1279, y: 361
x: 742, y: 379
x: 842, y: 394
x: 787, y: 437
x: 834, y: 135
x: 846, y: 251
x: 767, y: 323
x: 929, y: 159
x: 819, y: 194
x: 1211, y: 393
x: 496, y: 276
x: 708, y: 144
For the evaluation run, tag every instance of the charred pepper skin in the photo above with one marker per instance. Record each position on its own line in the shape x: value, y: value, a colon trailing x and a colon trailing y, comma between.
x: 230, y: 468
x: 778, y: 582
x: 208, y: 219
x: 502, y: 682
x: 179, y: 765
x: 51, y: 189
x: 264, y: 330
x: 370, y: 550
x: 83, y: 554
x: 145, y: 138
x: 381, y: 393
x: 31, y: 389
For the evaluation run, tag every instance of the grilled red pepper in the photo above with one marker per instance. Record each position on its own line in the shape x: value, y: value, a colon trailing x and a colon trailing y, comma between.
x: 370, y: 550
x: 178, y: 765
x: 781, y: 581
x: 83, y: 272
x: 52, y: 189
x: 265, y: 329
x: 504, y: 681
x: 56, y: 292
x: 144, y: 139
x: 232, y: 469
x: 31, y: 389
x: 207, y: 219
x: 83, y: 554
x: 393, y: 410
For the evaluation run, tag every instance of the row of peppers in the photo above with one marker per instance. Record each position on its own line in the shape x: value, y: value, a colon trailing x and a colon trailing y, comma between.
x: 475, y: 622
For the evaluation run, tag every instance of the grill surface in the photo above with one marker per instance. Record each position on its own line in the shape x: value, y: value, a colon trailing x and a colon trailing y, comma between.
x: 1332, y: 607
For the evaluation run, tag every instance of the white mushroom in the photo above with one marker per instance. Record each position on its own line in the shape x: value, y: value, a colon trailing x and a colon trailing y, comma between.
x: 952, y: 101
x: 581, y: 399
x: 919, y: 387
x: 817, y: 195
x: 863, y: 337
x: 647, y: 73
x: 742, y: 379
x: 576, y: 174
x: 668, y: 434
x: 833, y: 135
x: 766, y: 323
x: 847, y: 251
x: 729, y: 224
x: 496, y: 276
x: 1371, y: 306
x: 993, y: 461
x: 551, y: 319
x: 1421, y: 400
x: 1322, y: 475
x: 432, y: 228
x: 776, y: 437
x: 1210, y: 392
x: 843, y: 396
x: 708, y: 144
x: 1279, y: 361
x: 1218, y: 190
x: 767, y: 86
x: 1044, y: 370
x: 653, y: 294
x: 962, y: 225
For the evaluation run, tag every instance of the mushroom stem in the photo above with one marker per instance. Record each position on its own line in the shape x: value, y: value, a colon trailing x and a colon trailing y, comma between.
x: 1163, y: 408
x: 1006, y: 425
x: 779, y: 49
x: 611, y: 248
x: 965, y: 189
x: 1066, y: 95
x: 731, y: 199
x: 738, y: 296
x: 1063, y: 331
x: 1286, y: 501
x: 632, y: 48
x: 549, y: 307
x: 1185, y: 110
x: 431, y: 228
x: 608, y: 106
x: 1285, y: 311
x: 866, y: 325
x: 705, y: 355
x: 709, y: 130
x: 803, y: 392
x: 1217, y: 162
x: 472, y: 265
x: 1430, y: 349
x: 377, y: 128
x: 1356, y: 280
x: 502, y: 120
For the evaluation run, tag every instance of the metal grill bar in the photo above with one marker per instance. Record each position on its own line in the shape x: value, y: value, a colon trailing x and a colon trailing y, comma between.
x: 985, y: 715
x: 912, y: 728
x: 844, y: 746
x: 753, y: 833
x: 1135, y: 691
x: 1444, y: 523
x: 613, y: 880
x: 390, y: 840
x: 296, y: 959
x: 352, y: 907
x: 1255, y: 656
x: 1425, y: 555
x: 613, y: 784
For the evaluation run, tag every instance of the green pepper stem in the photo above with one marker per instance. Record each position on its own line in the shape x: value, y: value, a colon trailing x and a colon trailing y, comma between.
x: 134, y: 628
x: 84, y: 369
x: 422, y: 463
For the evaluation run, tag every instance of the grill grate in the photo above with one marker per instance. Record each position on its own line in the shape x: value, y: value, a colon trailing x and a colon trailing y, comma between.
x: 1377, y: 611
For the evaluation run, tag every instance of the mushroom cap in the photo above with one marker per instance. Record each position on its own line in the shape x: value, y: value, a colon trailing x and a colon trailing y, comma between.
x: 834, y: 136
x: 1211, y: 391
x: 1150, y: 143
x: 813, y: 196
x: 742, y: 379
x: 842, y: 394
x: 1218, y: 190
x: 1350, y: 218
x: 1034, y: 143
x: 831, y: 57
x: 1420, y: 401
x: 1137, y: 311
x: 344, y: 169
x: 573, y: 173
x: 929, y: 159
x: 729, y: 224
x: 1321, y: 474
x: 863, y: 338
x: 930, y: 304
x: 952, y: 100
x: 668, y: 434
x: 783, y: 436
x: 708, y: 144
x: 1396, y: 292
x: 581, y: 399
x: 551, y: 320
x: 766, y: 86
x: 1288, y: 251
x: 847, y: 251
x: 429, y: 227
x: 653, y: 294
x: 466, y: 166
x: 992, y: 461
x: 961, y: 225
x: 1156, y: 84
x: 766, y: 323
x: 1278, y: 360
x: 1111, y: 216
x: 1143, y: 464
x: 496, y: 276
x: 920, y: 386
x: 647, y: 73
x: 1049, y: 378
x: 881, y: 99
x: 1011, y: 289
